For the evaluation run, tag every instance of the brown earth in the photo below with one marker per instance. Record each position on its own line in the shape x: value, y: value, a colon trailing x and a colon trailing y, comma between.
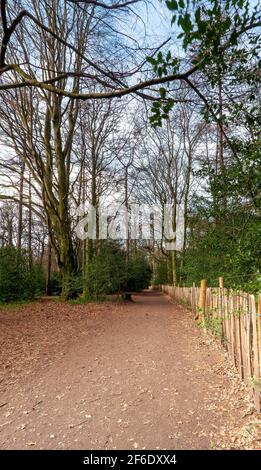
x: 138, y: 375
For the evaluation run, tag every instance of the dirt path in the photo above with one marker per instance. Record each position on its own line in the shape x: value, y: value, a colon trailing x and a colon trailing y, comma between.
x: 139, y: 375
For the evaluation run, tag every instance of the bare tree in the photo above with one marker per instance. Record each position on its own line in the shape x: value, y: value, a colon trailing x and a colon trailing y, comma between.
x: 41, y: 126
x: 167, y: 166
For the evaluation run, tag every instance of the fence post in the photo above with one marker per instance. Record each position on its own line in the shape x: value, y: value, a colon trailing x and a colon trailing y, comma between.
x: 254, y: 348
x: 259, y: 330
x: 193, y: 298
x: 202, y: 299
x: 221, y: 282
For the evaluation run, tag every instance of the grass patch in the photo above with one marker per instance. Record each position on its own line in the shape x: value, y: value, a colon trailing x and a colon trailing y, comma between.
x: 212, y: 324
x: 256, y: 382
x: 112, y: 298
x: 19, y: 304
x: 83, y: 299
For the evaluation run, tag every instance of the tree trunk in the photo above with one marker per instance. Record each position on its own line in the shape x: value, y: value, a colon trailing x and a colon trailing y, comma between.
x: 20, y: 208
x: 174, y: 267
x: 30, y: 226
x: 127, y: 207
x: 49, y: 268
x: 174, y: 252
x: 90, y: 246
x: 66, y: 263
x: 88, y: 260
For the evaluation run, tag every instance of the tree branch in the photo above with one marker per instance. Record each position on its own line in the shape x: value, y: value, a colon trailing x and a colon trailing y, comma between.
x: 8, y: 31
x: 107, y: 7
x: 213, y: 114
x: 116, y: 93
x: 3, y: 15
x: 26, y: 204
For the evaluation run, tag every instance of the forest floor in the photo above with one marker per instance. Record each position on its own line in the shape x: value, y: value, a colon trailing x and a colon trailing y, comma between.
x: 137, y: 375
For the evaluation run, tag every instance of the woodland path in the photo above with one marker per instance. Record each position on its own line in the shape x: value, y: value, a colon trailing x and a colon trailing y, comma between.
x: 138, y: 375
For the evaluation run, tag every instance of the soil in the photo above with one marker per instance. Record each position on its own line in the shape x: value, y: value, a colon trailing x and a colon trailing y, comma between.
x: 136, y: 375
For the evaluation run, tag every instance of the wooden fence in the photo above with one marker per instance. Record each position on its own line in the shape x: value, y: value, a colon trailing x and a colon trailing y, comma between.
x: 235, y: 318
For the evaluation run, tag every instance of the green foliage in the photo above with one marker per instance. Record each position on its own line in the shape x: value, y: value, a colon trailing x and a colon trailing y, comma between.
x: 163, y: 66
x: 160, y: 110
x: 208, y: 22
x: 107, y: 271
x: 212, y: 324
x: 110, y: 273
x: 224, y: 236
x: 36, y: 281
x: 229, y: 247
x: 55, y: 284
x: 138, y: 273
x: 213, y: 31
x: 75, y: 285
x: 256, y: 382
x: 17, y: 281
x: 161, y: 275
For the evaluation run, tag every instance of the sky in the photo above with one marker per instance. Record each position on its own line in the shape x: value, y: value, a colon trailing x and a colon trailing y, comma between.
x: 156, y: 26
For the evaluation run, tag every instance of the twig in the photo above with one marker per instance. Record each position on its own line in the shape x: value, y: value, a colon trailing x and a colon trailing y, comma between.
x: 7, y: 422
x: 78, y: 424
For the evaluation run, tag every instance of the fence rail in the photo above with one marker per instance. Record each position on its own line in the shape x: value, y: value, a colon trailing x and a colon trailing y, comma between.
x: 234, y: 317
